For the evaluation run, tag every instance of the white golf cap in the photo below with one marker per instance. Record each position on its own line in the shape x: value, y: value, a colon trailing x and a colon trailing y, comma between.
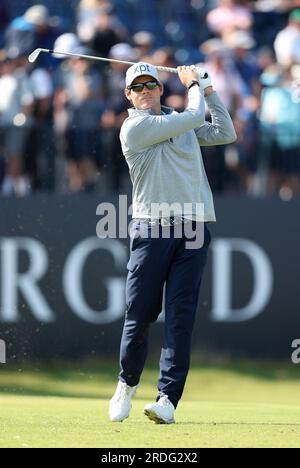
x: 240, y: 39
x: 122, y: 51
x: 37, y: 15
x: 143, y: 38
x: 66, y: 42
x: 140, y: 69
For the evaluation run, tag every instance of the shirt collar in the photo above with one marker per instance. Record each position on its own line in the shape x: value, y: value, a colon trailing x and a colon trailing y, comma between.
x: 133, y: 112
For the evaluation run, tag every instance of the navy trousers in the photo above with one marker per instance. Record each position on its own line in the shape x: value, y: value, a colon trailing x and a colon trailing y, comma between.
x: 154, y: 262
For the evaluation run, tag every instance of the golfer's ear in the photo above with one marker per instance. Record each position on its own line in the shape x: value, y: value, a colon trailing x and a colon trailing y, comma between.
x: 127, y: 94
x: 161, y: 87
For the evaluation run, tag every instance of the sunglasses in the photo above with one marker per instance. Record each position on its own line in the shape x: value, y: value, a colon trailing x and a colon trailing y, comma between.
x: 138, y: 87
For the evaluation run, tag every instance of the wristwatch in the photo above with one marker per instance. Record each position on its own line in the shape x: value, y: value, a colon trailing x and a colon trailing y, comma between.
x: 193, y: 83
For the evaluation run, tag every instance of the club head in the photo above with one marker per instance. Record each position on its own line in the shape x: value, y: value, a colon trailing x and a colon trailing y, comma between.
x: 34, y: 55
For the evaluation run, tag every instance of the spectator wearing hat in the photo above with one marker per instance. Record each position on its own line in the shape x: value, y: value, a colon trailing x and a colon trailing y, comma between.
x: 41, y: 148
x: 78, y: 104
x: 287, y: 42
x: 229, y: 86
x: 174, y: 93
x: 241, y: 44
x: 20, y: 35
x: 164, y: 56
x: 47, y: 29
x: 32, y: 30
x: 66, y: 42
x: 226, y: 78
x: 115, y: 113
x: 103, y: 30
x: 143, y: 41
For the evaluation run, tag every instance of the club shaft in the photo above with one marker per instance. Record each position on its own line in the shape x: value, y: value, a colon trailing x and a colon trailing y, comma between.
x: 102, y: 59
x: 34, y: 55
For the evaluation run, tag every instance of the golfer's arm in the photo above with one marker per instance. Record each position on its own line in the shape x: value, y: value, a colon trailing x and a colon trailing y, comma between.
x: 221, y: 131
x: 141, y: 132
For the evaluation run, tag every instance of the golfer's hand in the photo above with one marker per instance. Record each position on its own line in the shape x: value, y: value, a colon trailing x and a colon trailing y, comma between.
x: 204, y: 80
x: 187, y: 74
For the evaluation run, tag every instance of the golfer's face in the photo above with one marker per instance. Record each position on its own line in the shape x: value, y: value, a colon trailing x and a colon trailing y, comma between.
x: 146, y: 98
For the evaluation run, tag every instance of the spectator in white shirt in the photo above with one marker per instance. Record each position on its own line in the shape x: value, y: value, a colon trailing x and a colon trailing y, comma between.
x: 287, y: 42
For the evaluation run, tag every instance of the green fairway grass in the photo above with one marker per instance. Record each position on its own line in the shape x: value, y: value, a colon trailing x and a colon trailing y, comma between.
x: 226, y: 405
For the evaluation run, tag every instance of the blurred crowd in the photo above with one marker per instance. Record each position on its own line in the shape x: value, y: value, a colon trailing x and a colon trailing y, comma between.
x: 60, y: 117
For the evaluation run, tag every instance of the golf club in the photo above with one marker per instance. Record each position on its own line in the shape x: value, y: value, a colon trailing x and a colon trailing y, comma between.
x: 35, y: 54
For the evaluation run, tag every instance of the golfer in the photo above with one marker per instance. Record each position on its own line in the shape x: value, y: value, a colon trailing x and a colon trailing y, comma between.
x: 162, y: 150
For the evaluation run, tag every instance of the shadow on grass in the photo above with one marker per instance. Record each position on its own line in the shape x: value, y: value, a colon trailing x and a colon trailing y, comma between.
x: 85, y: 379
x: 97, y: 378
x: 45, y: 379
x: 26, y: 391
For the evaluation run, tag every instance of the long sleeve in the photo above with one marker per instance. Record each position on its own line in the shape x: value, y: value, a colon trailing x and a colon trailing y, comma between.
x: 221, y: 131
x: 142, y: 131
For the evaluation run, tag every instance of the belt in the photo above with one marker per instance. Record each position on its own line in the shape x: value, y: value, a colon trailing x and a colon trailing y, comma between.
x: 163, y: 221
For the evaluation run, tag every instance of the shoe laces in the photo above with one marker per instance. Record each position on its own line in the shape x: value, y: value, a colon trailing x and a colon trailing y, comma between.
x: 164, y: 400
x: 123, y: 392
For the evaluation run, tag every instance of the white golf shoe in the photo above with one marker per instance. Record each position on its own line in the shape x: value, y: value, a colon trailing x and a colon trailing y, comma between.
x: 161, y: 412
x: 120, y: 404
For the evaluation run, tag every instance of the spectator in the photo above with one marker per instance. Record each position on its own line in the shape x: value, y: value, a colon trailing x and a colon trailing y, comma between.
x: 229, y: 86
x: 229, y: 16
x: 41, y: 162
x: 20, y: 33
x: 164, y: 56
x: 104, y: 30
x: 143, y: 42
x: 265, y: 57
x: 16, y: 105
x: 32, y: 30
x: 77, y: 111
x: 86, y: 15
x: 241, y: 44
x: 287, y: 42
x: 226, y: 78
x: 279, y: 121
x: 115, y: 113
x: 66, y: 42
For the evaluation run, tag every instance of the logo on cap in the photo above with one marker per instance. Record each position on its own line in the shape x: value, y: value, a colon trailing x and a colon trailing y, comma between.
x: 140, y: 69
